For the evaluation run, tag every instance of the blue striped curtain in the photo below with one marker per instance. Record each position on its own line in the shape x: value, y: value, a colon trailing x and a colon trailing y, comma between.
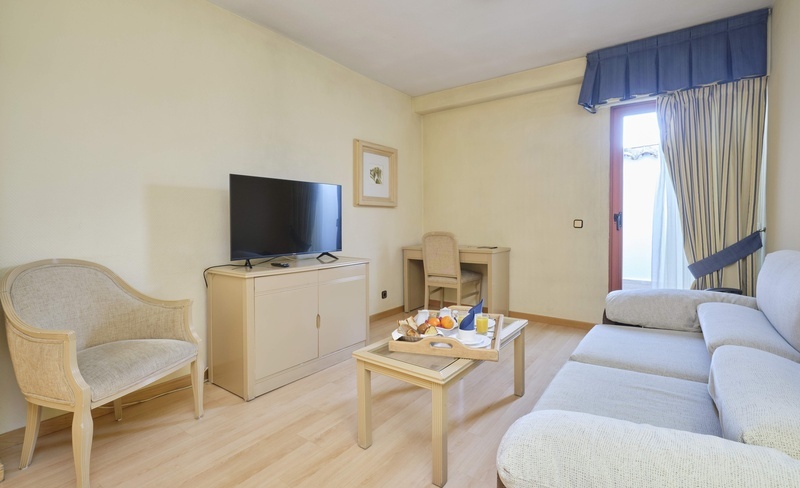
x: 718, y: 52
x: 712, y: 140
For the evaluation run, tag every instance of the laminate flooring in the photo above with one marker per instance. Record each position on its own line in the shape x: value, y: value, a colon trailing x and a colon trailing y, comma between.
x: 304, y: 434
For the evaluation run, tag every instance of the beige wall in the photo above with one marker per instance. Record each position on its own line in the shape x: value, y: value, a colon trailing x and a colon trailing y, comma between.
x: 516, y: 172
x: 783, y: 162
x: 119, y: 125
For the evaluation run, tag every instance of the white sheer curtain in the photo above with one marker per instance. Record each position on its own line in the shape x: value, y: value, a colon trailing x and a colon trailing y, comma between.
x: 669, y: 264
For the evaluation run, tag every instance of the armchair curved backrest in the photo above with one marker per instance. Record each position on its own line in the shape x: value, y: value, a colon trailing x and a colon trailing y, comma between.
x: 92, y: 301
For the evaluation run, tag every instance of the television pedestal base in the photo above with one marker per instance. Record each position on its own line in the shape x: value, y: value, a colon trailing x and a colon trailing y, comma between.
x: 326, y: 254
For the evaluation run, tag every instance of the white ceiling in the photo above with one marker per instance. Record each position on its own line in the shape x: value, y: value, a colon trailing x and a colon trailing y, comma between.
x: 423, y: 46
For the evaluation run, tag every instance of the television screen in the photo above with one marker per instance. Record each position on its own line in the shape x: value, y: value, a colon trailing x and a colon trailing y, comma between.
x: 272, y: 217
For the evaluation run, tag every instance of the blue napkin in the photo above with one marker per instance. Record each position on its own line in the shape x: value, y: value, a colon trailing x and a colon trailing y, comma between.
x: 468, y: 322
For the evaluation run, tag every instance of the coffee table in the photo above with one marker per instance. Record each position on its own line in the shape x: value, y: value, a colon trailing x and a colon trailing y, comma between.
x: 435, y: 373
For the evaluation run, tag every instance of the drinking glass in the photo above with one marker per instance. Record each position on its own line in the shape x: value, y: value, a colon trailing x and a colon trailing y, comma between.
x: 482, y: 323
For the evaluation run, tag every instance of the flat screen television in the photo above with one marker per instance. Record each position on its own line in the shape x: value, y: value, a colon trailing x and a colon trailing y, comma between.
x: 272, y: 217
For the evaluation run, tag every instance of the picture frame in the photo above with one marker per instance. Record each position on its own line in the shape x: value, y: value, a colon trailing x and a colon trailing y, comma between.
x: 375, y: 174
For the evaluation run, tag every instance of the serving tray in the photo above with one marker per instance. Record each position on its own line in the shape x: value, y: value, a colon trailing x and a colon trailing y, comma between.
x: 452, y: 347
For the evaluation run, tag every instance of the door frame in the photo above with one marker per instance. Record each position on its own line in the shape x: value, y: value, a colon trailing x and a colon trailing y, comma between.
x: 618, y: 114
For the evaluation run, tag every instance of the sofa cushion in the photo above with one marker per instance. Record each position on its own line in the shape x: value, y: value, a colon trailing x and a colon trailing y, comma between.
x: 633, y: 396
x: 115, y: 366
x: 662, y: 352
x: 554, y: 448
x: 665, y: 309
x: 758, y: 397
x: 778, y: 293
x: 726, y: 324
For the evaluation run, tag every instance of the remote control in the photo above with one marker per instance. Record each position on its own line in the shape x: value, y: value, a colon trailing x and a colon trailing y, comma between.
x: 281, y: 265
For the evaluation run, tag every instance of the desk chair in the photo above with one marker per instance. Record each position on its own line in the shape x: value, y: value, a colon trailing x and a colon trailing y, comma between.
x: 442, y: 268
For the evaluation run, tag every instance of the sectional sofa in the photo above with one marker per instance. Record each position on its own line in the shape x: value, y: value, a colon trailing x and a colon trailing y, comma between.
x: 702, y: 390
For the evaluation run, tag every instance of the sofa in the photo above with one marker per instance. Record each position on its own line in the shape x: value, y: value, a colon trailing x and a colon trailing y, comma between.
x: 700, y: 389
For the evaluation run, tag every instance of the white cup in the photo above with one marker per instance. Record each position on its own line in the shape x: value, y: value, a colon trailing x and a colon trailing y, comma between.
x: 466, y: 335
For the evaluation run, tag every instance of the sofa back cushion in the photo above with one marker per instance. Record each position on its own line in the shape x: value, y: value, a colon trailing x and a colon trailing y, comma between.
x: 664, y: 308
x: 728, y: 324
x: 757, y: 395
x: 778, y: 293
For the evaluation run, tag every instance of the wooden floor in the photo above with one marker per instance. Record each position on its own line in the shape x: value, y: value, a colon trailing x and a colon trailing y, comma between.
x: 304, y: 434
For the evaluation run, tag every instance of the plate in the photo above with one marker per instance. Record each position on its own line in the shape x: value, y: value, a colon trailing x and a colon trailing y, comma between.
x: 480, y: 341
x: 447, y: 332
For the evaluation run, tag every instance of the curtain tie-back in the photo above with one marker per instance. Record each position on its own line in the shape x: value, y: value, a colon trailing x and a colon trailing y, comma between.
x: 727, y: 256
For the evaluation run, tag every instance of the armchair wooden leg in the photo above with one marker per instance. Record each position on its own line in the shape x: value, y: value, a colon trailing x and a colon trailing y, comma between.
x: 197, y: 387
x: 118, y: 409
x: 82, y: 431
x: 32, y: 423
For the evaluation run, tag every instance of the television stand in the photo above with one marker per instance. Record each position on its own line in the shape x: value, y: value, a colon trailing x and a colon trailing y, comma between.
x: 271, y: 326
x: 326, y: 254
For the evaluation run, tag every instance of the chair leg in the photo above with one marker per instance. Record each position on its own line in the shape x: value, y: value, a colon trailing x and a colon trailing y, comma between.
x: 32, y: 423
x: 197, y: 387
x: 427, y: 297
x: 118, y: 409
x: 82, y: 431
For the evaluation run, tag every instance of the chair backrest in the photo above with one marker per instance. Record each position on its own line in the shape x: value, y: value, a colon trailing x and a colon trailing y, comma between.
x: 80, y: 296
x: 440, y: 255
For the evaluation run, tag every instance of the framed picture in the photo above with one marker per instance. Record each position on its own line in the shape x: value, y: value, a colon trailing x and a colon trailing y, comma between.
x: 375, y: 170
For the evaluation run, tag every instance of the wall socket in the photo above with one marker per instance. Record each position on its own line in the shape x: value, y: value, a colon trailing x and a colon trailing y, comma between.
x: 384, y: 294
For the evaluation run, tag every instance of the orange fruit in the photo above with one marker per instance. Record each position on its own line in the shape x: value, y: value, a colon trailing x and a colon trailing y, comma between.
x: 447, y: 322
x: 434, y: 321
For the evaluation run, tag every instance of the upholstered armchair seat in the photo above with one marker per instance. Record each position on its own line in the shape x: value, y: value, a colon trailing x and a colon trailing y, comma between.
x: 119, y: 366
x: 80, y: 337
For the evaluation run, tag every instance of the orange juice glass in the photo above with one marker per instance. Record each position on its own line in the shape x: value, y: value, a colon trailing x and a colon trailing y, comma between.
x: 482, y: 323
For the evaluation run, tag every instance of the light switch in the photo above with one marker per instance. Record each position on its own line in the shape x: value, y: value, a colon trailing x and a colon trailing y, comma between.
x: 577, y: 223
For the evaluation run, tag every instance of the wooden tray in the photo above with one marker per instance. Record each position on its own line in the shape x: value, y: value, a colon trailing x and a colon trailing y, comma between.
x: 454, y: 348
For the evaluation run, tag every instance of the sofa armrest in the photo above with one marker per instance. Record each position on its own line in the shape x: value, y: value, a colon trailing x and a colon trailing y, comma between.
x: 665, y: 309
x: 550, y: 448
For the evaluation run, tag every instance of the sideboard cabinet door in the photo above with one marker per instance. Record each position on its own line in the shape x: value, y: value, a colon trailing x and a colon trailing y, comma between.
x: 342, y: 307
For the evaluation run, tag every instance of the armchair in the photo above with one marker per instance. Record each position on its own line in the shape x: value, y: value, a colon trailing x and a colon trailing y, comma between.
x: 80, y: 337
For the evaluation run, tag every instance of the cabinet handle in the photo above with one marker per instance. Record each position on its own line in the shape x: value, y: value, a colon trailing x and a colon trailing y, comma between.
x: 317, y: 321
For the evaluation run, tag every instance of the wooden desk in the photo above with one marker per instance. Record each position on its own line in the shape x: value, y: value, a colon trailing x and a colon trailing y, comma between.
x: 492, y: 263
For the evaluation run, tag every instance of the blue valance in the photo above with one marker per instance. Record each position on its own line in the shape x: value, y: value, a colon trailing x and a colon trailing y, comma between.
x: 718, y: 52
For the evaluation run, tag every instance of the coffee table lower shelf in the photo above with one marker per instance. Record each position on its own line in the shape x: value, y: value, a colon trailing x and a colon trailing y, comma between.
x: 434, y: 373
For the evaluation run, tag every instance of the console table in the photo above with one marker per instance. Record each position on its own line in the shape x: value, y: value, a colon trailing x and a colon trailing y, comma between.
x: 270, y: 326
x: 493, y: 263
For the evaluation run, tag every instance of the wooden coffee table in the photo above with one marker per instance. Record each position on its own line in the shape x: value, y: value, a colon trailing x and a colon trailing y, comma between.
x: 435, y: 373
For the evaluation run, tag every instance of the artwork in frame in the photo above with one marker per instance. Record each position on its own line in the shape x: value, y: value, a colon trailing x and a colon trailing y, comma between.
x: 375, y: 170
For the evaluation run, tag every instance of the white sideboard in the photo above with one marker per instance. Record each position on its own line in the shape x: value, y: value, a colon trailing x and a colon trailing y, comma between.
x: 270, y: 326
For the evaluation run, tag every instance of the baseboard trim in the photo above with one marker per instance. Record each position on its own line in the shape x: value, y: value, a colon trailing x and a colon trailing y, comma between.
x: 385, y: 313
x: 64, y: 421
x: 577, y: 324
